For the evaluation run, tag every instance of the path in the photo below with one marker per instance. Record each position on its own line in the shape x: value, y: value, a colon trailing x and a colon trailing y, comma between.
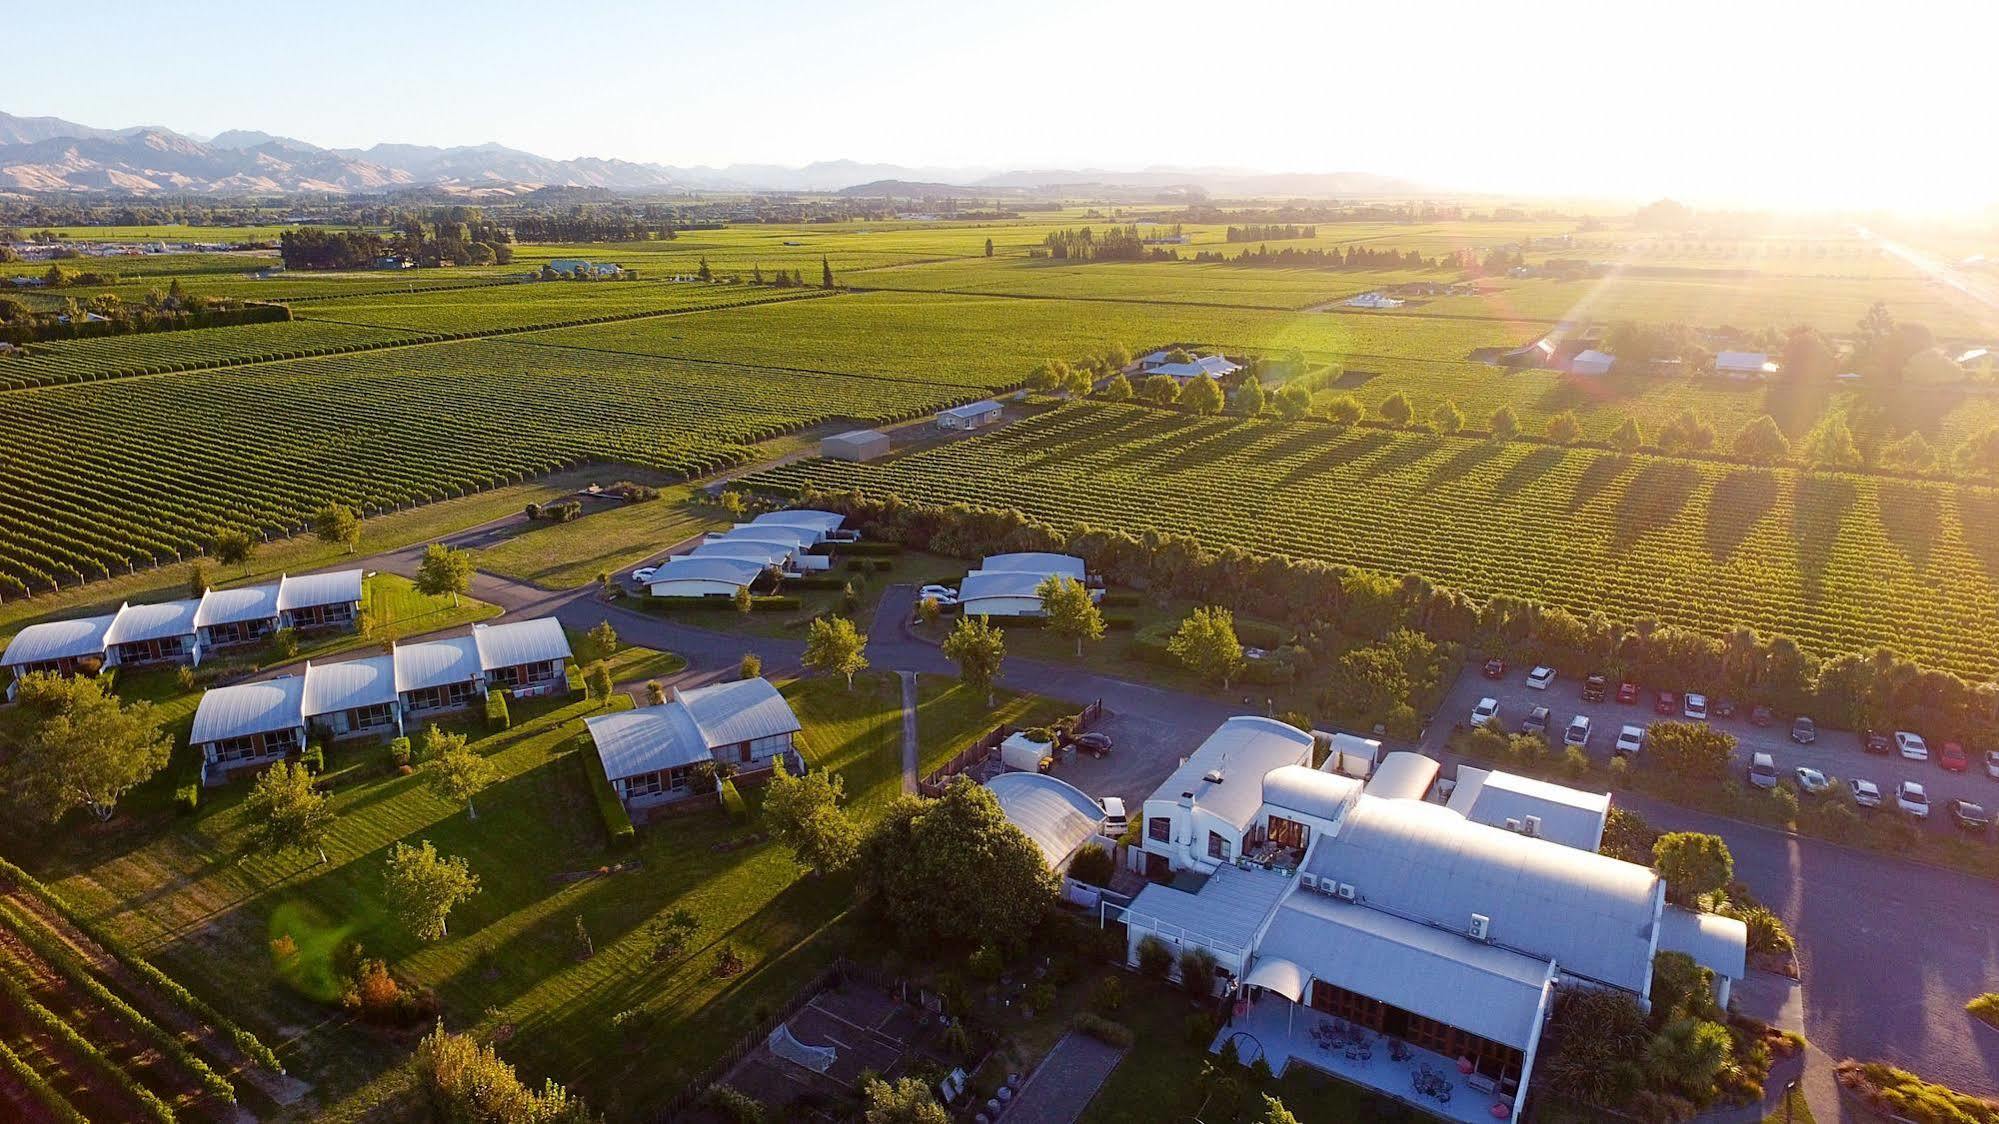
x: 1066, y: 1080
x: 909, y: 755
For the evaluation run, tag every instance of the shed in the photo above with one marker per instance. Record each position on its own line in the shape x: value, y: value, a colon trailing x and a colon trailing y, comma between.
x: 855, y: 445
x: 972, y: 415
x: 1591, y: 362
x: 1743, y: 364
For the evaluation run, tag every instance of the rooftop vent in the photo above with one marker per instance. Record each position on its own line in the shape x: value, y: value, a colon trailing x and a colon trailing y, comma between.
x: 1512, y: 824
x: 1214, y: 776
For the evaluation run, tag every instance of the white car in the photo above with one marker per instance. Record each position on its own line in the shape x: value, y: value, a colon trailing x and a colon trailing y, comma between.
x: 1696, y: 707
x: 644, y: 573
x: 1866, y: 794
x: 1631, y: 739
x: 1910, y: 797
x: 1578, y: 731
x: 1541, y: 677
x: 942, y: 594
x: 1486, y: 710
x: 1812, y: 781
x: 1912, y: 746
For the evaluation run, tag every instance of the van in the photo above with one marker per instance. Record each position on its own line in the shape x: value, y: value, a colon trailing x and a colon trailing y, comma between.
x: 1022, y: 753
x: 1763, y: 771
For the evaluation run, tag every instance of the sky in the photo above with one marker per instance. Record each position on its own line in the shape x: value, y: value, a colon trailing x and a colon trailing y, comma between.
x: 1801, y: 103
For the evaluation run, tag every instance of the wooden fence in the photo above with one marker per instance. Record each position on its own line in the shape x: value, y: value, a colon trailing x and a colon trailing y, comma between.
x: 933, y: 785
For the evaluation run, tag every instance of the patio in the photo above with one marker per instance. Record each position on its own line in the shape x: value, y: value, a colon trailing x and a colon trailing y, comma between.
x: 1282, y: 1032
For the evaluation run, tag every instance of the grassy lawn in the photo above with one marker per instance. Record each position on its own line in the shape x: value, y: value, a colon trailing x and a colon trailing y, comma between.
x: 399, y: 611
x: 857, y: 734
x: 949, y: 717
x: 1791, y: 1110
x: 566, y: 555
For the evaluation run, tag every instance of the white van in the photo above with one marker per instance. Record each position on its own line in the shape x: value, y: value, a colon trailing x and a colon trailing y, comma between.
x: 1114, y: 818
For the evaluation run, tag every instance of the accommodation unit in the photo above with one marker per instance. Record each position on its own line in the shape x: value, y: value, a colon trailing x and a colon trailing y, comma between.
x: 62, y: 647
x: 703, y: 577
x: 855, y: 445
x: 795, y: 543
x: 823, y: 525
x: 1591, y: 362
x: 438, y: 675
x: 161, y: 633
x: 244, y: 615
x: 972, y: 415
x: 1059, y: 817
x: 248, y: 724
x: 1203, y: 366
x: 650, y: 754
x: 761, y: 552
x: 329, y: 600
x: 528, y: 658
x: 1009, y: 594
x: 353, y: 697
x: 1039, y: 563
x: 1743, y: 364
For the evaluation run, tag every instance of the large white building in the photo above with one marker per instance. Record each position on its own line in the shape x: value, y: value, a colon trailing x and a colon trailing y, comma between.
x: 1005, y: 585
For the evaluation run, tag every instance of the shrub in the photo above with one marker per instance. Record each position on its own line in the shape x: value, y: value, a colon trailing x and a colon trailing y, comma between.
x: 1155, y: 958
x: 733, y: 1104
x: 733, y: 803
x: 618, y: 828
x: 1102, y: 1029
x: 497, y: 717
x: 1041, y: 996
x: 187, y: 798
x: 1766, y: 930
x: 1198, y: 1028
x: 1898, y: 1092
x: 399, y: 752
x: 984, y: 964
x: 314, y: 759
x: 750, y: 666
x: 1107, y: 996
x: 1093, y: 865
x: 1197, y: 972
x: 703, y: 778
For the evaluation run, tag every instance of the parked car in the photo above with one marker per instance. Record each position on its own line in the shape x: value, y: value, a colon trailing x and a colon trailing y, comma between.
x: 644, y: 574
x: 1951, y: 756
x: 1874, y: 741
x: 1094, y: 744
x: 1724, y: 708
x: 1486, y: 710
x: 1536, y: 722
x: 1495, y: 668
x: 1811, y: 780
x: 1763, y: 770
x: 1992, y: 763
x: 1804, y: 731
x: 1631, y: 739
x: 1541, y: 677
x: 1910, y: 797
x: 1627, y: 692
x: 1866, y: 794
x: 1912, y: 746
x: 1969, y: 816
x: 942, y: 594
x: 1594, y: 688
x: 1761, y: 716
x: 1578, y: 731
x: 1696, y: 707
x: 1115, y: 821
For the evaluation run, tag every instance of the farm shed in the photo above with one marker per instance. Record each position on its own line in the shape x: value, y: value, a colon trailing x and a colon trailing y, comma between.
x: 855, y: 445
x: 974, y: 415
x: 1591, y: 362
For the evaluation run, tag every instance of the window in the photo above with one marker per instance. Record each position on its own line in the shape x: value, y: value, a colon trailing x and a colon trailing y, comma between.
x: 1289, y: 833
x: 743, y: 751
x: 645, y: 784
x: 1218, y: 846
x: 1159, y: 829
x: 373, y: 717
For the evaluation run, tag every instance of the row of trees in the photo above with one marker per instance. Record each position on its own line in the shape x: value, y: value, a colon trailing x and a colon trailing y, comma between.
x: 108, y: 314
x: 1883, y: 349
x: 1292, y: 257
x: 1116, y: 243
x: 1271, y: 232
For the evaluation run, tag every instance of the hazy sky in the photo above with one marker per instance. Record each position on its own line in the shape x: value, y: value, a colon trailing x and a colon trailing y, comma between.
x: 1773, y: 101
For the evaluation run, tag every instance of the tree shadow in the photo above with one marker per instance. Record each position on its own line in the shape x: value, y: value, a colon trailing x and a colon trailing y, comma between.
x: 1796, y: 406
x: 1911, y: 515
x: 1818, y: 512
x: 1402, y: 452
x: 1596, y: 478
x: 1529, y: 469
x: 1737, y: 504
x: 1978, y: 514
x: 1346, y: 448
x: 1461, y: 463
x: 1653, y: 500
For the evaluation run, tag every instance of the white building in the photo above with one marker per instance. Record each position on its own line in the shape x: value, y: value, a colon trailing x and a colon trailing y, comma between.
x: 703, y: 577
x: 248, y: 724
x: 1743, y: 365
x: 1209, y: 366
x: 649, y: 754
x: 1591, y: 362
x: 62, y: 647
x: 1059, y: 817
x: 855, y: 445
x: 329, y: 600
x: 1371, y: 300
x: 161, y: 633
x: 245, y: 615
x: 822, y: 525
x: 353, y: 698
x: 972, y: 415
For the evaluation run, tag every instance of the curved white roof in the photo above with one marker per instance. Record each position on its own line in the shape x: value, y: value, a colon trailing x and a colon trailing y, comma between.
x: 436, y: 663
x: 1051, y: 811
x: 58, y: 640
x: 1402, y: 775
x: 761, y: 552
x: 248, y: 708
x: 152, y: 622
x: 519, y: 642
x: 738, y: 711
x: 330, y: 588
x: 1244, y: 749
x: 232, y: 606
x: 1040, y: 563
x: 1005, y: 584
x: 1305, y: 790
x: 783, y: 534
x: 646, y: 740
x: 733, y: 571
x: 822, y: 521
x: 331, y: 687
x: 1717, y: 943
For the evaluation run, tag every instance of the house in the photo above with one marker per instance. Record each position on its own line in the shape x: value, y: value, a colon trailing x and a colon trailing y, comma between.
x: 1371, y: 300
x: 822, y: 525
x: 1059, y: 817
x: 438, y: 675
x: 1743, y: 365
x: 772, y: 555
x: 1040, y: 563
x: 796, y: 542
x: 1210, y: 366
x: 528, y: 658
x: 650, y: 754
x: 313, y: 601
x: 570, y: 267
x: 855, y: 445
x: 1375, y: 904
x: 1591, y: 362
x: 972, y: 415
x: 244, y: 615
x: 702, y: 577
x: 353, y: 698
x: 248, y: 724
x: 64, y: 647
x: 142, y: 634
x: 1005, y: 585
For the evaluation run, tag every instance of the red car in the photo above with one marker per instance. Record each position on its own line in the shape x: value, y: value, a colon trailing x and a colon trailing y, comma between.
x: 1952, y: 757
x: 1666, y: 703
x: 1495, y: 668
x: 1627, y: 692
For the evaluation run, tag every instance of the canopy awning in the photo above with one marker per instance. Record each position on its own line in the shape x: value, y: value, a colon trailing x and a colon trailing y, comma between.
x: 1274, y: 973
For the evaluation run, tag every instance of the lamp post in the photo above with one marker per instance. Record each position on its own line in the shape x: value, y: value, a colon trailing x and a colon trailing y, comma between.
x: 1790, y: 1088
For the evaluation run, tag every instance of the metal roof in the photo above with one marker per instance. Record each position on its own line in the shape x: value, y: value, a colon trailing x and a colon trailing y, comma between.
x: 1274, y: 973
x: 233, y: 606
x: 972, y: 409
x: 733, y: 571
x: 1720, y: 944
x: 646, y: 740
x: 248, y: 708
x: 331, y: 588
x: 1740, y: 361
x: 331, y: 687
x: 1492, y: 992
x: 57, y: 640
x: 792, y: 535
x: 980, y: 584
x: 436, y: 663
x: 1307, y: 791
x: 1568, y: 816
x: 1051, y: 811
x: 1593, y: 915
x: 1245, y: 749
x: 1402, y: 775
x: 740, y: 711
x: 821, y: 521
x: 152, y: 622
x: 748, y: 550
x: 1227, y: 911
x: 1040, y: 563
x: 509, y: 645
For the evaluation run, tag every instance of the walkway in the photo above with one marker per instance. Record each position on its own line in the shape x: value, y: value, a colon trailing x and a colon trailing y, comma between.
x: 1066, y: 1080
x: 909, y: 755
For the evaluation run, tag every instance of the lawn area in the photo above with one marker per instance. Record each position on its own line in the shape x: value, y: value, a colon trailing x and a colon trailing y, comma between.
x: 398, y: 611
x: 857, y: 734
x: 950, y: 717
x: 566, y: 555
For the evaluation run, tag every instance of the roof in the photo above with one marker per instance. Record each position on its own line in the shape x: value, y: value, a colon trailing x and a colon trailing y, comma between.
x: 1569, y: 816
x: 1211, y: 366
x: 436, y: 663
x: 1740, y: 360
x: 760, y: 551
x: 152, y: 622
x: 1245, y: 748
x: 248, y: 708
x: 1303, y: 789
x: 331, y: 687
x: 1227, y: 911
x: 646, y: 740
x: 57, y: 640
x: 1592, y: 358
x: 1274, y: 973
x: 792, y: 536
x: 980, y: 585
x: 330, y: 588
x: 1591, y: 914
x: 1051, y: 811
x: 971, y: 409
x: 1720, y: 944
x: 1490, y: 991
x: 805, y: 517
x: 1034, y: 562
x: 732, y: 571
x: 508, y: 645
x: 1402, y: 775
x: 739, y: 711
x: 233, y: 606
x: 859, y: 437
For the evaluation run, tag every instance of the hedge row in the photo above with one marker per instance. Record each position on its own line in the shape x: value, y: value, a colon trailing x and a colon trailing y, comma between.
x: 82, y: 1048
x: 25, y: 1076
x: 618, y: 829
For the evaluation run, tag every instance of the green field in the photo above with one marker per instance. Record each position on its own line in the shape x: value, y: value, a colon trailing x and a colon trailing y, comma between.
x: 501, y: 308
x: 155, y: 352
x: 1841, y: 563
x: 566, y: 555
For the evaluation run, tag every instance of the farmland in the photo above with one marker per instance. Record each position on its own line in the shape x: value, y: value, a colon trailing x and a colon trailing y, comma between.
x: 1839, y: 562
x: 498, y: 308
x: 150, y: 352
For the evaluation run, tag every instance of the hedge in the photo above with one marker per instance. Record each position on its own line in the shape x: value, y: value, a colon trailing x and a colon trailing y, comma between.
x: 25, y: 1076
x: 618, y: 828
x: 827, y: 581
x: 1104, y: 1030
x: 867, y: 549
x: 1123, y: 598
x: 732, y: 802
x: 497, y: 717
x: 84, y: 1050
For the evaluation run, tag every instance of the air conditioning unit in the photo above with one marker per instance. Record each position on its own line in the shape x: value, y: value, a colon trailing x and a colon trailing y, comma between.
x: 1311, y: 880
x: 1533, y: 825
x: 1481, y: 927
x: 1512, y: 824
x: 1345, y: 891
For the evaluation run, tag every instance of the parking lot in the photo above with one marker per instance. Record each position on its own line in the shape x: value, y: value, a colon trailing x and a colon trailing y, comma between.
x: 1837, y: 753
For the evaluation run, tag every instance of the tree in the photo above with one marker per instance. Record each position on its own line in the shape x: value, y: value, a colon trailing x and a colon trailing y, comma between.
x: 452, y: 770
x: 742, y: 600
x: 1447, y: 417
x: 1047, y: 375
x: 1563, y: 428
x: 954, y: 869
x: 1807, y: 356
x: 603, y: 640
x: 1202, y: 396
x: 1504, y: 425
x: 86, y: 750
x: 1206, y: 644
x: 444, y: 570
x: 1160, y: 390
x: 804, y: 814
x: 1396, y: 409
x: 1687, y: 1055
x: 1693, y: 753
x: 286, y: 813
x: 1274, y: 1112
x: 703, y: 272
x: 1980, y: 452
x: 1910, y: 453
x: 1686, y: 433
x: 1292, y: 402
x: 198, y: 577
x: 1761, y: 441
x: 1343, y: 409
x: 751, y: 666
x: 1248, y: 399
x: 989, y: 247
x: 424, y: 887
x: 233, y: 547
x: 468, y: 1082
x: 597, y: 683
x: 978, y: 647
x: 835, y: 646
x: 655, y: 693
x: 1069, y: 609
x: 908, y: 1101
x: 825, y: 272
x: 1117, y: 388
x: 1592, y: 1040
x: 336, y: 524
x: 1830, y: 445
x: 1694, y: 865
x: 1628, y: 438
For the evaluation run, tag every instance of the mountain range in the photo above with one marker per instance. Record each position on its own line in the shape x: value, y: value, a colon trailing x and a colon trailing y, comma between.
x: 49, y: 154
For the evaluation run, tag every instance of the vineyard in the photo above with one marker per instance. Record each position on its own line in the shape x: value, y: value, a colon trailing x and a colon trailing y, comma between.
x: 486, y: 309
x: 1841, y: 563
x: 262, y: 446
x: 153, y: 352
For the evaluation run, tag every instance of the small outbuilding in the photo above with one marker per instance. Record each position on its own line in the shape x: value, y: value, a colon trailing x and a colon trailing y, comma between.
x: 1743, y: 365
x: 972, y: 415
x: 1059, y: 817
x: 855, y: 445
x: 1591, y: 362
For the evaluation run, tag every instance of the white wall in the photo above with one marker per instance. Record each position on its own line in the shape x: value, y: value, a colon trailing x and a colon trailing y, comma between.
x: 1001, y: 607
x: 688, y: 587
